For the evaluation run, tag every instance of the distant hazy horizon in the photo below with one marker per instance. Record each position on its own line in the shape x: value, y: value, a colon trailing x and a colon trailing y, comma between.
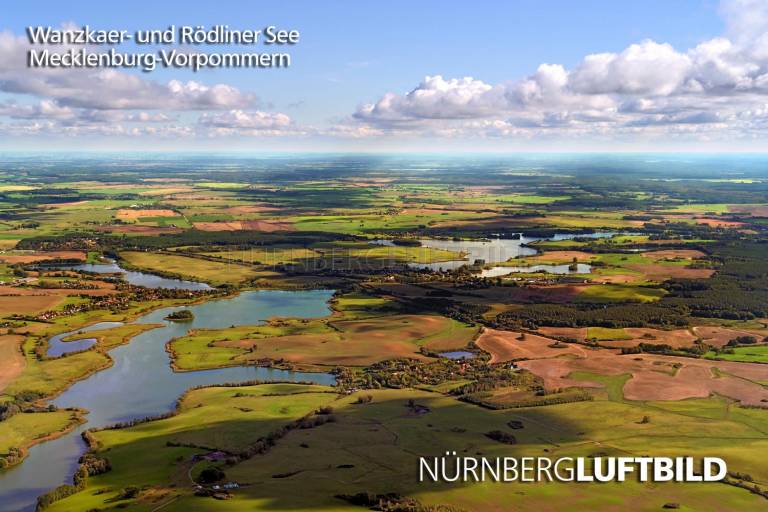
x: 659, y: 166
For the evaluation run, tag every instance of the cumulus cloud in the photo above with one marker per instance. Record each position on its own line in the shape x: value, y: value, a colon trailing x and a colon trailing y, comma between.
x: 116, y: 89
x: 645, y: 68
x: 435, y: 98
x: 239, y: 119
x: 46, y: 109
x: 249, y: 123
x: 114, y: 103
x: 716, y: 85
x: 717, y: 88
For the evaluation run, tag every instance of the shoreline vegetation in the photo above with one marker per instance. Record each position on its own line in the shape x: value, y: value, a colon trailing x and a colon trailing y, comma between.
x: 100, y: 347
x: 116, y: 337
x: 111, y: 337
x: 36, y: 341
x: 11, y: 456
x: 286, y: 343
x: 183, y: 315
x: 91, y: 458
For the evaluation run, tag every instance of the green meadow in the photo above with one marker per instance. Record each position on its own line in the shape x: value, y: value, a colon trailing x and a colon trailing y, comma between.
x: 374, y: 448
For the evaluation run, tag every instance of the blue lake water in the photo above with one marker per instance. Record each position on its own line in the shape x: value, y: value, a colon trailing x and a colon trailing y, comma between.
x: 139, y: 278
x: 457, y: 354
x: 581, y: 268
x: 57, y: 346
x: 141, y: 383
x: 495, y: 250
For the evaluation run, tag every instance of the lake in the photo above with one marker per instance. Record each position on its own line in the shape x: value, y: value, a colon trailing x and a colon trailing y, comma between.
x: 457, y: 354
x: 581, y: 268
x: 58, y: 347
x: 138, y: 278
x: 495, y: 250
x: 141, y: 383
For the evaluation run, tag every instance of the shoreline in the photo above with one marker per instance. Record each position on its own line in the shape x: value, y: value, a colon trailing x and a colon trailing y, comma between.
x: 287, y: 366
x: 129, y: 318
x: 77, y: 419
x: 110, y: 362
x: 92, y: 371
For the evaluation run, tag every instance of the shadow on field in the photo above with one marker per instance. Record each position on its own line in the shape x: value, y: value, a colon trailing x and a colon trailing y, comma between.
x: 371, y: 448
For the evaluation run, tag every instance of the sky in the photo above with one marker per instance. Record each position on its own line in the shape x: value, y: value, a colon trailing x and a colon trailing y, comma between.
x: 427, y: 76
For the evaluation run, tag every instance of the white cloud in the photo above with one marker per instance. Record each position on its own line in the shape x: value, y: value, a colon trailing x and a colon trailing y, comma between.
x: 46, y: 109
x: 239, y: 119
x: 109, y: 102
x: 249, y: 123
x: 715, y: 89
x: 718, y: 85
x: 746, y: 20
x: 645, y: 68
x: 77, y: 129
x: 107, y: 89
x: 434, y: 98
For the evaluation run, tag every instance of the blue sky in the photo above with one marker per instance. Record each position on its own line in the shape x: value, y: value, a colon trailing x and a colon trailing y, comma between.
x: 359, y: 78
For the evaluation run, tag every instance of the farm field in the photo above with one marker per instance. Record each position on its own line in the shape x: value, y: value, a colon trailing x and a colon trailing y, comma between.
x: 11, y: 359
x: 192, y: 268
x: 364, y: 447
x: 758, y: 354
x: 356, y: 255
x: 658, y: 378
x: 319, y: 273
x: 362, y: 331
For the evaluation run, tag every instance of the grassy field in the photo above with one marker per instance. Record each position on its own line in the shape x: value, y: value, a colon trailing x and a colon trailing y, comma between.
x: 49, y: 377
x: 369, y: 448
x: 363, y: 329
x: 109, y: 338
x: 717, y: 208
x: 230, y: 419
x: 620, y: 293
x: 652, y: 266
x: 756, y: 354
x: 605, y: 334
x: 6, y: 273
x: 378, y: 255
x: 212, y: 272
x: 22, y: 430
x: 364, y: 224
x: 180, y: 222
x: 277, y: 255
x: 325, y: 343
x: 360, y: 255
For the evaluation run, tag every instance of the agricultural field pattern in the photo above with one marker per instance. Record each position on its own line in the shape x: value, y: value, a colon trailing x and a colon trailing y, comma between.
x: 215, y: 333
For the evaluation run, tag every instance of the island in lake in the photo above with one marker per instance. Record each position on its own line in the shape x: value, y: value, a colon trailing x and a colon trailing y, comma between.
x: 184, y: 315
